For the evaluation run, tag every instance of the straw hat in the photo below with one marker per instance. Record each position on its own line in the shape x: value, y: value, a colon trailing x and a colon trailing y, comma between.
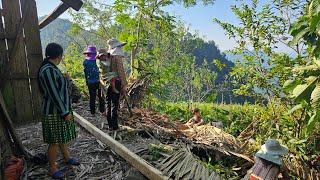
x: 272, y: 151
x: 115, y: 47
x: 90, y: 50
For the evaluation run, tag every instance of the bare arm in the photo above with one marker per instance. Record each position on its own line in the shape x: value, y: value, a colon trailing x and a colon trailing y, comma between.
x: 190, y: 122
x: 201, y: 122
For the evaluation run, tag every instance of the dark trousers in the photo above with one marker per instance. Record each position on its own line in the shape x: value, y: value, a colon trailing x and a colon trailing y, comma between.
x: 94, y: 88
x: 113, y: 100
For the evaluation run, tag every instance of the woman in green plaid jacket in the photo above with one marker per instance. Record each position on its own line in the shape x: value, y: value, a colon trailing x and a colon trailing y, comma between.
x: 58, y: 125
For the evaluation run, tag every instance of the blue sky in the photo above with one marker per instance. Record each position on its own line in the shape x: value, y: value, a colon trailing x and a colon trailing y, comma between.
x: 199, y: 18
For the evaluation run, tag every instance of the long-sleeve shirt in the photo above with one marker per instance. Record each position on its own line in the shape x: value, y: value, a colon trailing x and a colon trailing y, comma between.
x: 106, y: 74
x: 263, y: 169
x: 91, y: 71
x: 55, y: 90
x: 117, y: 66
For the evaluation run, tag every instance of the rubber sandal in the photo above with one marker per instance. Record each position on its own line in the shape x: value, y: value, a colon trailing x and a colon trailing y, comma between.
x: 73, y: 162
x: 57, y: 175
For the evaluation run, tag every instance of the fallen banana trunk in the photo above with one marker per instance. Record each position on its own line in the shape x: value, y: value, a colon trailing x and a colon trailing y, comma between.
x: 184, y: 165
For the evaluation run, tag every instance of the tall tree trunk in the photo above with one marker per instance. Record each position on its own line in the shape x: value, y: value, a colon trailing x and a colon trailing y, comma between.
x: 134, y: 71
x: 134, y: 61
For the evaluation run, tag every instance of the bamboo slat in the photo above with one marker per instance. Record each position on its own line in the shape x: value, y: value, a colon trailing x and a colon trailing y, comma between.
x: 34, y: 53
x: 22, y: 110
x: 3, y: 49
x: 5, y: 86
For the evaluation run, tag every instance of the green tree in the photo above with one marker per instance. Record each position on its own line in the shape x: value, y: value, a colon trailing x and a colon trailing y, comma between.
x: 260, y: 72
x: 305, y: 84
x: 154, y: 44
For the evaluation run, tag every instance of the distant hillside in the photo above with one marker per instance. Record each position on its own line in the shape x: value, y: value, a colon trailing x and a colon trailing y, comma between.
x: 56, y: 32
x: 209, y: 51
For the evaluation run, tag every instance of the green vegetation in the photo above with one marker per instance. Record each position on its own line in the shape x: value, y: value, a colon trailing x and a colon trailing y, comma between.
x: 305, y: 84
x: 276, y: 91
x: 156, y: 150
x: 261, y: 70
x: 272, y: 121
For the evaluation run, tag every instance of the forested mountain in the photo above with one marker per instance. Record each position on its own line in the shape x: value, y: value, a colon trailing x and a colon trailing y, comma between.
x: 207, y: 51
x: 56, y: 32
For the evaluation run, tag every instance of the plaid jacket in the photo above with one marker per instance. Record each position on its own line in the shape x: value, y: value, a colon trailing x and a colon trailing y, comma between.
x: 116, y: 69
x: 54, y: 87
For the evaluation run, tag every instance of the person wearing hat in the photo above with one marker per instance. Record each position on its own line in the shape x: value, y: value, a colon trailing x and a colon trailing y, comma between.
x: 116, y: 75
x: 268, y: 162
x: 107, y: 76
x: 91, y: 72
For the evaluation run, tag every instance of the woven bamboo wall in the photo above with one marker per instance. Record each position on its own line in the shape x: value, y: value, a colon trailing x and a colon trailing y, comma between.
x: 20, y: 58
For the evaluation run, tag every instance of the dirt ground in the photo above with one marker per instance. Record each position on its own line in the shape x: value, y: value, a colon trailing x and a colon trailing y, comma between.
x: 97, y: 160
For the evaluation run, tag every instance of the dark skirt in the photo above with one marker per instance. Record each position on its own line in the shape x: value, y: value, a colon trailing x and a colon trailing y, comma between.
x: 56, y: 130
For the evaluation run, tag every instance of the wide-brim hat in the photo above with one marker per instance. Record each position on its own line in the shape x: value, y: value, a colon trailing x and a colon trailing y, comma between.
x: 116, y: 51
x: 114, y: 43
x: 115, y: 47
x: 90, y: 50
x: 272, y: 151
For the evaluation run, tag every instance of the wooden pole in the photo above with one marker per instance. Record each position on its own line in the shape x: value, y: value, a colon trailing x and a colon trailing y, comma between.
x: 54, y: 15
x: 74, y: 4
x: 135, y: 160
x: 6, y: 121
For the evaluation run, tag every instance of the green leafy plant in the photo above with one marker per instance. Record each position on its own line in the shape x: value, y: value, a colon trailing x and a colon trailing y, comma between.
x: 305, y: 84
x: 155, y: 151
x: 260, y: 71
x: 73, y: 63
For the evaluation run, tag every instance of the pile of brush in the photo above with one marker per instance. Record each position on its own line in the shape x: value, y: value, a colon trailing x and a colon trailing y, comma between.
x: 210, y: 135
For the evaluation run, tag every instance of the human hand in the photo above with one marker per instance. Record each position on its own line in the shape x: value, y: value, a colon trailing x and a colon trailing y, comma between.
x: 68, y: 117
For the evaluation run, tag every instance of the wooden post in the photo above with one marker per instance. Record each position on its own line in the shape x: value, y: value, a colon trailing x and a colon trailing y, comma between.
x: 135, y: 160
x: 34, y: 53
x: 17, y: 63
x: 17, y: 146
x: 74, y: 4
x: 54, y: 15
x: 5, y: 86
x: 3, y: 48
